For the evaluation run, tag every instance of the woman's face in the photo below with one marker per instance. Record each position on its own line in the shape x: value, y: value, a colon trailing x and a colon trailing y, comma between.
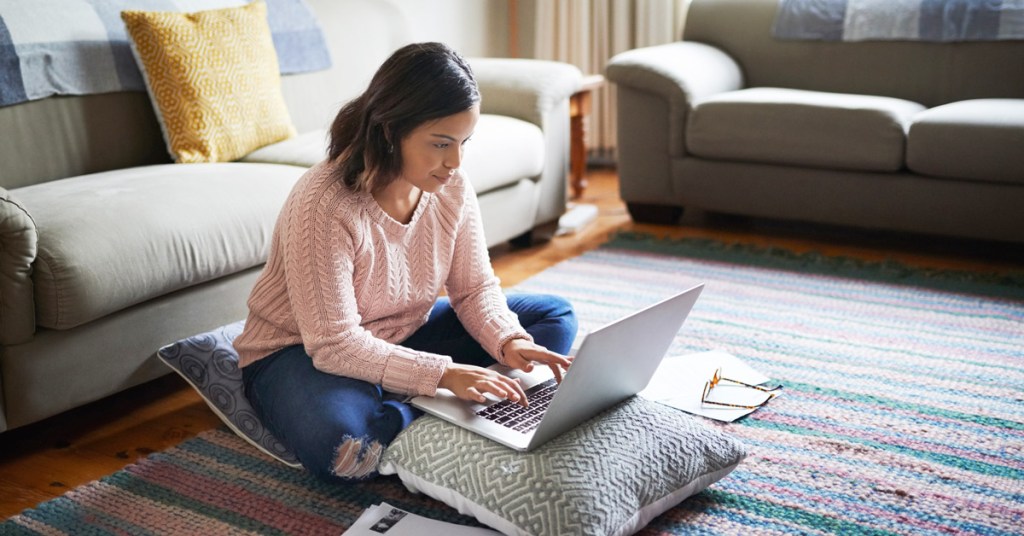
x: 433, y: 151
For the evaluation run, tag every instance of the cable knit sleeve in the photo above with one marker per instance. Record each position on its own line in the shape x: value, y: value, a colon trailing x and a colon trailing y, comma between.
x: 319, y: 244
x: 474, y: 290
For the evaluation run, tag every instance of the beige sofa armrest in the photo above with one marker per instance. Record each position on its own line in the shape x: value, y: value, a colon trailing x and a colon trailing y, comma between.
x: 536, y: 91
x: 524, y: 88
x: 18, y: 242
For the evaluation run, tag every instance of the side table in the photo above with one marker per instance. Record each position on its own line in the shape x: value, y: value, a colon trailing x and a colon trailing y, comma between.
x: 579, y: 108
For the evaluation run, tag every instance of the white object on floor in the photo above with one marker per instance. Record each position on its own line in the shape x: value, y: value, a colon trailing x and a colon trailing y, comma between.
x: 386, y: 519
x: 576, y: 218
x: 679, y: 382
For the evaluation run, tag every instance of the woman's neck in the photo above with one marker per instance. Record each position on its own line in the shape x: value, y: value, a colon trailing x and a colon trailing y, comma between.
x: 399, y: 200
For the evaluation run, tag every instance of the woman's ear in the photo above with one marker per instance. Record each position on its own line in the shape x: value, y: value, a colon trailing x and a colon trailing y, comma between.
x: 388, y: 137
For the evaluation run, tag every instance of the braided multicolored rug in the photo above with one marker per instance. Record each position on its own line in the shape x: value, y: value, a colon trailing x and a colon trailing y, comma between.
x: 903, y: 410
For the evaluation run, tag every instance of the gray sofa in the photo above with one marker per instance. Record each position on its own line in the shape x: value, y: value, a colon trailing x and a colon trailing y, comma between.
x: 108, y: 251
x: 922, y: 137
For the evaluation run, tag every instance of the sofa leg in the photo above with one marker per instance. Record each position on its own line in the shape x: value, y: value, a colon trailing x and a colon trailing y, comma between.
x: 524, y: 240
x: 651, y: 213
x: 539, y: 234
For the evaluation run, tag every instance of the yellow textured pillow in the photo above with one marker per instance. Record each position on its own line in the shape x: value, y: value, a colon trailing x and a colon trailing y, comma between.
x: 214, y: 80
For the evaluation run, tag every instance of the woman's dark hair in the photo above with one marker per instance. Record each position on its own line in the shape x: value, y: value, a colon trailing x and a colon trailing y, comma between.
x: 418, y: 83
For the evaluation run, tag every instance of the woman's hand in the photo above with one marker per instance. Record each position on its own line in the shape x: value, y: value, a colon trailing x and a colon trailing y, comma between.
x: 522, y: 354
x: 470, y: 382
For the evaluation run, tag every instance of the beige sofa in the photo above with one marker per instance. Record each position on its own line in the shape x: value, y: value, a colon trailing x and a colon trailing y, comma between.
x: 923, y: 137
x: 109, y: 252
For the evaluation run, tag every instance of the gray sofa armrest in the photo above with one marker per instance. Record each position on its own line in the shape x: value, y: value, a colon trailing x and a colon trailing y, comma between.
x: 18, y: 243
x: 526, y: 89
x: 683, y: 71
x: 679, y: 73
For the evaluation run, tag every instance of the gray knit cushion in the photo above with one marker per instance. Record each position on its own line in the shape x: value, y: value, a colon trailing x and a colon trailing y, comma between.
x: 610, y: 475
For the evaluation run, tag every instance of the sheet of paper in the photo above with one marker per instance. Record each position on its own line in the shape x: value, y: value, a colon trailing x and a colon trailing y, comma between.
x: 679, y: 382
x: 390, y: 521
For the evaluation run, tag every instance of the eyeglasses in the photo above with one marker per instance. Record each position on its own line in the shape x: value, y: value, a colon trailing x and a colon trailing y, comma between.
x: 717, y: 379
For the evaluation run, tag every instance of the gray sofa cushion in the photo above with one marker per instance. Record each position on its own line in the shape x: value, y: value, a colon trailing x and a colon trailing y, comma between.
x: 111, y: 240
x: 802, y: 128
x: 979, y: 139
x: 502, y: 151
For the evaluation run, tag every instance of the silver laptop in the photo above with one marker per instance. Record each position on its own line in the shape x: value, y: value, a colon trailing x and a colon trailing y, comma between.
x: 613, y: 363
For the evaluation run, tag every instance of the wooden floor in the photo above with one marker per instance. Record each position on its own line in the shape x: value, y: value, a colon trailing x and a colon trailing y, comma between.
x: 43, y: 460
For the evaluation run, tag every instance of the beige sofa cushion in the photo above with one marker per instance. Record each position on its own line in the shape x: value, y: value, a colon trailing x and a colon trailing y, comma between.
x: 802, y: 128
x: 111, y: 240
x: 980, y: 139
x: 306, y: 150
x: 502, y: 151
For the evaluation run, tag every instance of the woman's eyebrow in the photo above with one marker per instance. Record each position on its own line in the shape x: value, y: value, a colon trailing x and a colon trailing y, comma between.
x: 447, y: 137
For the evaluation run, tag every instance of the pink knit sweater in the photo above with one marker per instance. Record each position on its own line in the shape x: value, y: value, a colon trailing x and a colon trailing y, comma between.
x: 349, y: 282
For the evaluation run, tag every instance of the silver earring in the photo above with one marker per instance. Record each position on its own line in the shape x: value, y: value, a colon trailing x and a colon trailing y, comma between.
x: 391, y: 148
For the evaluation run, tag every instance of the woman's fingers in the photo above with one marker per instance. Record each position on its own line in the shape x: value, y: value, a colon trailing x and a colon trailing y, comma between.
x: 557, y: 371
x: 473, y: 394
x: 556, y: 362
x: 472, y: 383
x: 512, y: 390
x: 551, y: 358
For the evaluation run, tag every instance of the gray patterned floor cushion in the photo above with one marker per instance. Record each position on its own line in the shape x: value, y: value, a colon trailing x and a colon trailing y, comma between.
x: 209, y: 362
x: 609, y: 476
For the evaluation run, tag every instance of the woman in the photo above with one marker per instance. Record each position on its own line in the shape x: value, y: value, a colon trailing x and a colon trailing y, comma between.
x: 345, y: 320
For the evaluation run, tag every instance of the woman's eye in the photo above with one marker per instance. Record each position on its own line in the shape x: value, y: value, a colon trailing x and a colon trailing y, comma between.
x: 441, y: 145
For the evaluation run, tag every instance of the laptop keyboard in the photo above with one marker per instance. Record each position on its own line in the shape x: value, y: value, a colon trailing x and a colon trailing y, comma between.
x: 511, y: 415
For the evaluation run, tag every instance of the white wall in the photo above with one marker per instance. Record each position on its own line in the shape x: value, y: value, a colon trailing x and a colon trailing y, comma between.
x: 472, y: 27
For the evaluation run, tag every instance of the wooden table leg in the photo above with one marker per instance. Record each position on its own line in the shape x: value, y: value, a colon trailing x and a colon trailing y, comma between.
x: 578, y: 144
x: 579, y: 109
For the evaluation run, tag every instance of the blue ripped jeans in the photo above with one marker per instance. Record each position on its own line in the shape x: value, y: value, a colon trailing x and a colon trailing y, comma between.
x: 338, y: 427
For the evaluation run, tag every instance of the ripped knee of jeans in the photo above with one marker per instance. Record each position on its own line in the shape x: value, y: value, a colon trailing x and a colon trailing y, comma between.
x: 356, y: 458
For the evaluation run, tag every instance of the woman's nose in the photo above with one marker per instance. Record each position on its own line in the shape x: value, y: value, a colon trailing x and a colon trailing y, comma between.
x: 453, y: 159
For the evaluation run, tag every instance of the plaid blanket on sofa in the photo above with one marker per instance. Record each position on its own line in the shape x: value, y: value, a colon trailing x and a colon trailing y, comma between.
x: 915, y: 20
x: 79, y: 47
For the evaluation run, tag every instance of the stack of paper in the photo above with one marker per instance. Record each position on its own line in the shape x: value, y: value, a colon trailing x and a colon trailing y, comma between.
x: 386, y: 519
